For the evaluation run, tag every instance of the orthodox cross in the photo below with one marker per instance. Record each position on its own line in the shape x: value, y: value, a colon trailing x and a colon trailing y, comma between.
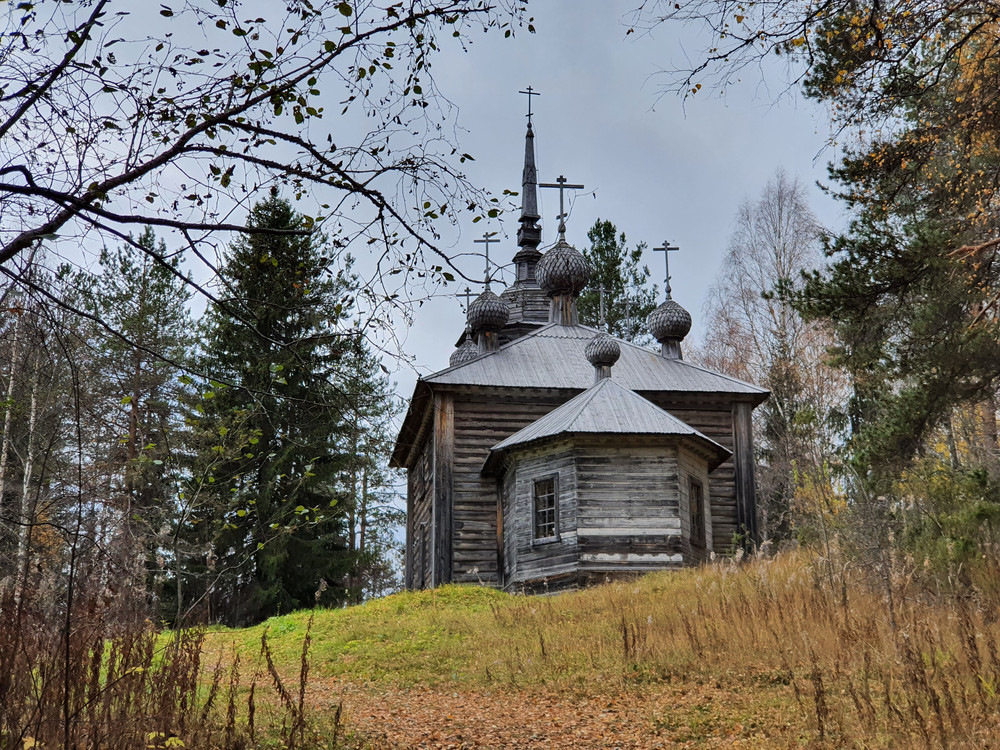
x: 628, y: 318
x: 600, y: 292
x: 468, y: 295
x: 486, y: 240
x: 666, y: 250
x: 562, y: 185
x: 530, y: 92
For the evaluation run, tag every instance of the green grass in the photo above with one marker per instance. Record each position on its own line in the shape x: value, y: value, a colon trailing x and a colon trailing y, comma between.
x: 778, y: 633
x: 409, y: 638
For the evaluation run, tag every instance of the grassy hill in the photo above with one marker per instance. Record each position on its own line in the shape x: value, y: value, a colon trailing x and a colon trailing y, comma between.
x: 782, y: 652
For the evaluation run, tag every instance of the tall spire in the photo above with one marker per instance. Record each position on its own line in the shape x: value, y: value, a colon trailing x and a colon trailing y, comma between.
x: 529, y: 307
x: 529, y: 235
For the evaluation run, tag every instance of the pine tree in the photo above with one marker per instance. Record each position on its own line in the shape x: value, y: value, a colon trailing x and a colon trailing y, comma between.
x: 628, y: 299
x: 270, y: 517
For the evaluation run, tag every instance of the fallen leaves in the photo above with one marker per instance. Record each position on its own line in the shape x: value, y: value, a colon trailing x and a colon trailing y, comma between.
x: 659, y: 716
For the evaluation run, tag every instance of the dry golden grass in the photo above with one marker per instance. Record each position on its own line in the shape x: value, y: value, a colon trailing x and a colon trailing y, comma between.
x: 834, y: 661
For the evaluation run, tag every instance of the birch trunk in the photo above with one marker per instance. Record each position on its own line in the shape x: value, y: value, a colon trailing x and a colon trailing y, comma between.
x: 26, y: 519
x: 8, y: 412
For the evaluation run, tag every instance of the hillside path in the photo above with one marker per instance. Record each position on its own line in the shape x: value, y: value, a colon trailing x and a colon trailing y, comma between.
x: 436, y: 718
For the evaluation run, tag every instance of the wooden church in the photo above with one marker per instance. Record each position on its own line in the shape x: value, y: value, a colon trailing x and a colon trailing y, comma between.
x: 550, y: 454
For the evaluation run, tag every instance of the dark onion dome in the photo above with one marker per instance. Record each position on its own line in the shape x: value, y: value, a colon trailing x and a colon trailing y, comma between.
x: 562, y: 270
x: 488, y: 313
x: 466, y: 352
x: 669, y: 321
x: 602, y: 350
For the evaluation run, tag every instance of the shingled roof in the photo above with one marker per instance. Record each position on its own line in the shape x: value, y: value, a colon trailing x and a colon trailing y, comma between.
x: 608, y: 408
x: 552, y: 357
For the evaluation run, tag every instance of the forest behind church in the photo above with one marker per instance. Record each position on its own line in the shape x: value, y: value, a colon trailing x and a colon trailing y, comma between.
x: 161, y: 469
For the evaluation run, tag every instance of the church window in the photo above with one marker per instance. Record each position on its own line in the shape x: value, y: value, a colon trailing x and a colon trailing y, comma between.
x: 696, y: 497
x: 546, y: 503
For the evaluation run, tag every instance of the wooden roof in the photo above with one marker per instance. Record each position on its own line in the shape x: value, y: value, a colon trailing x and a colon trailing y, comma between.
x: 552, y: 357
x: 608, y: 408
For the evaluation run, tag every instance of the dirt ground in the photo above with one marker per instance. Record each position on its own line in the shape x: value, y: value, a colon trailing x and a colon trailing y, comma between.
x: 659, y: 717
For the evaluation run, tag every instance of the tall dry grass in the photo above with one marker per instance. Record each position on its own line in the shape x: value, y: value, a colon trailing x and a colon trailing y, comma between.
x: 868, y: 665
x: 90, y: 681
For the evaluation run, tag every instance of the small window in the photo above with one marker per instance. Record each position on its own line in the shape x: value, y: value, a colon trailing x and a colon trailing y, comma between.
x: 545, y: 515
x: 697, y: 500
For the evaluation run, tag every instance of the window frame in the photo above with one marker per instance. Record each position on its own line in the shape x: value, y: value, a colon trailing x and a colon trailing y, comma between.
x: 554, y: 537
x: 699, y: 535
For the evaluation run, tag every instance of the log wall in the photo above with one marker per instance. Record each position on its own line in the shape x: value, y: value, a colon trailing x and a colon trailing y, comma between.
x: 482, y: 420
x: 694, y: 467
x: 713, y: 418
x: 449, y: 466
x: 420, y: 486
x: 629, y: 507
x: 524, y: 558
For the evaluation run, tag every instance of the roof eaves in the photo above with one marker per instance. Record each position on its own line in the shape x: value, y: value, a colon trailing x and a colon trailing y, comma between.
x: 409, y: 431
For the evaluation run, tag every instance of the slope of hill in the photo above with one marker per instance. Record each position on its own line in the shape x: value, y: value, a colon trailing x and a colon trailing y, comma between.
x: 782, y: 652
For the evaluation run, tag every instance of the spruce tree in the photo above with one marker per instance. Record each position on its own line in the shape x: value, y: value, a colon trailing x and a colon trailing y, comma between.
x: 628, y: 299
x: 270, y: 516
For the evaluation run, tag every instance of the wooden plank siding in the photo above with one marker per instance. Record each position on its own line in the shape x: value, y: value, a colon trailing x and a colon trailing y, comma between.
x: 444, y: 455
x: 420, y: 489
x: 526, y: 559
x: 481, y: 421
x: 463, y: 523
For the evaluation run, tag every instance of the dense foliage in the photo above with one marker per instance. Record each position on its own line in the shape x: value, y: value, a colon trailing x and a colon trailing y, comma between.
x: 261, y: 490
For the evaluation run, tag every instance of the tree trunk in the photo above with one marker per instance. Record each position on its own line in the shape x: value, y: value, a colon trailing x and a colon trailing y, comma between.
x: 362, y: 542
x: 8, y: 412
x: 991, y: 445
x: 27, y: 514
x: 952, y: 446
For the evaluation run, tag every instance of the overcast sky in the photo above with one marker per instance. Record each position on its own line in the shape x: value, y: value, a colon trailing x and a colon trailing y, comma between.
x: 658, y: 167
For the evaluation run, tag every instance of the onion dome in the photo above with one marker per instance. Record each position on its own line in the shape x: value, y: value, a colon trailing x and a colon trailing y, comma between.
x: 602, y: 350
x: 562, y: 270
x: 488, y: 313
x: 669, y: 321
x: 466, y: 352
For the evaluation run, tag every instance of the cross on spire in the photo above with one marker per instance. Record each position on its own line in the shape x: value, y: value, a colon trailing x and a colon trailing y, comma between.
x: 468, y: 296
x: 486, y: 240
x: 666, y: 250
x: 562, y: 185
x: 530, y: 93
x: 600, y: 292
x: 628, y: 318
